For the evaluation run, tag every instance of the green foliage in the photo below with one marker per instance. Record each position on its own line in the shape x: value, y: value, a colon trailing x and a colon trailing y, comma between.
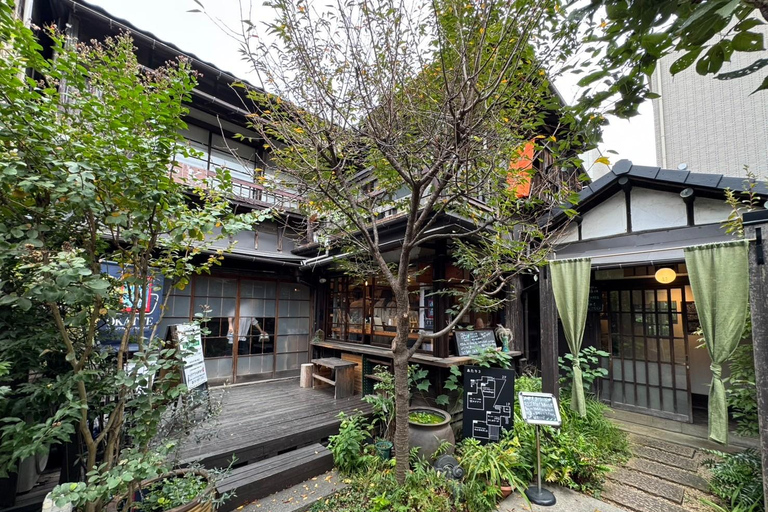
x: 493, y: 358
x: 87, y: 148
x: 376, y: 489
x: 496, y: 464
x: 747, y: 200
x: 578, y: 454
x: 169, y: 493
x: 741, y: 391
x: 628, y: 39
x: 589, y: 361
x: 425, y: 418
x: 4, y: 370
x: 383, y: 398
x: 347, y: 446
x: 455, y: 385
x: 737, y: 478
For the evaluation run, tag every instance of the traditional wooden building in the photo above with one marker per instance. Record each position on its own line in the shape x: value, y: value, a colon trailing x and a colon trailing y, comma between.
x: 634, y: 223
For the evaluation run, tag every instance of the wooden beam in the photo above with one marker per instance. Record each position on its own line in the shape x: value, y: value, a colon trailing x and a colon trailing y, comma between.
x: 441, y: 347
x: 758, y: 291
x: 548, y: 342
x: 516, y: 315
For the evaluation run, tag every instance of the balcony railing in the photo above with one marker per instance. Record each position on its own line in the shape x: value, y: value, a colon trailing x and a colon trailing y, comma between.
x: 240, y: 190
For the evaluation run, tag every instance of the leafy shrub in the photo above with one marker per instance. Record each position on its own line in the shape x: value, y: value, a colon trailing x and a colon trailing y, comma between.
x: 376, y: 489
x: 589, y: 360
x: 738, y: 479
x: 347, y: 446
x: 495, y: 463
x: 383, y: 398
x: 741, y: 391
x: 171, y: 492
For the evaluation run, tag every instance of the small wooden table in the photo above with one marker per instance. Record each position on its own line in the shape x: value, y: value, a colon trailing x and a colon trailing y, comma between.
x: 343, y: 375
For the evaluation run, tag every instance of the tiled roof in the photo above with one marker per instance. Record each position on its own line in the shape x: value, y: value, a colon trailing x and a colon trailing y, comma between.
x: 662, y: 179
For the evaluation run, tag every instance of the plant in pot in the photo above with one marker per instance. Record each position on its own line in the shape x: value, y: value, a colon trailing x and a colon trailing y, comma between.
x: 498, y: 464
x: 182, y: 490
x: 428, y: 427
x: 383, y: 403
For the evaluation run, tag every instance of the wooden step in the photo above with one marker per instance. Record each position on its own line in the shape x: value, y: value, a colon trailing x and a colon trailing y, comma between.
x: 269, y: 476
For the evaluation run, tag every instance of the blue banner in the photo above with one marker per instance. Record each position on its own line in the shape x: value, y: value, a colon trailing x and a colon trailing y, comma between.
x: 114, y: 328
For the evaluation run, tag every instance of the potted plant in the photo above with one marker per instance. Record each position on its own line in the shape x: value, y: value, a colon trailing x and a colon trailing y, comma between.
x: 428, y: 429
x: 498, y: 464
x: 181, y: 490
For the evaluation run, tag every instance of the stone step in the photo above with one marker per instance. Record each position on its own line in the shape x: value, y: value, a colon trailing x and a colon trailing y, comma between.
x: 649, y: 484
x: 637, y: 501
x: 677, y: 449
x: 670, y: 459
x: 679, y: 476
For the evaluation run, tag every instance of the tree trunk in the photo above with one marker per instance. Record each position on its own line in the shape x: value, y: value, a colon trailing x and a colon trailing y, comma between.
x: 402, y: 398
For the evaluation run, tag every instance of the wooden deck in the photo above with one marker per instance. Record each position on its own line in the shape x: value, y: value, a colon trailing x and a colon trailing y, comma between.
x: 262, y: 420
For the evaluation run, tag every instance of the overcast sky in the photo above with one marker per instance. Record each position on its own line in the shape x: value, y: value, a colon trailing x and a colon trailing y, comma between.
x: 170, y: 21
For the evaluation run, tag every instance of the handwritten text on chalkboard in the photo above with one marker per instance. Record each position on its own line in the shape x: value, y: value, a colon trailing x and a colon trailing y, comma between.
x: 474, y: 342
x: 539, y: 409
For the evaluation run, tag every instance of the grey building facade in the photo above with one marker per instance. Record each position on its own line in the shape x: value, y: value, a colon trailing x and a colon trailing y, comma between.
x: 713, y: 126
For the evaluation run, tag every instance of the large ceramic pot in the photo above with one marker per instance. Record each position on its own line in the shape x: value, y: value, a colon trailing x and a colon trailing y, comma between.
x: 429, y: 437
x: 202, y: 503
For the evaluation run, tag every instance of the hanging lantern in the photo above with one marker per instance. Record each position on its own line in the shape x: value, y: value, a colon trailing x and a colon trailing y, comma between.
x: 665, y: 275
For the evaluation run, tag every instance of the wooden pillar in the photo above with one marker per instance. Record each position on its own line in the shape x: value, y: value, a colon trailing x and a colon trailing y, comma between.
x: 548, y: 342
x: 516, y: 314
x: 441, y: 348
x: 756, y: 227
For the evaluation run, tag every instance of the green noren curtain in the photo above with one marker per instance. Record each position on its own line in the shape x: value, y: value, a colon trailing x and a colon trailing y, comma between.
x: 719, y: 275
x: 570, y: 284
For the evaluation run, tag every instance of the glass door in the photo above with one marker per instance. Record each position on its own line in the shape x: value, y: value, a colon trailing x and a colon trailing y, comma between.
x: 649, y: 367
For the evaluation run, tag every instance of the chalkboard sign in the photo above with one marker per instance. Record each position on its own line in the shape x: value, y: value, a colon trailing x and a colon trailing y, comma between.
x: 539, y: 409
x: 474, y: 342
x: 489, y: 402
x: 595, y: 300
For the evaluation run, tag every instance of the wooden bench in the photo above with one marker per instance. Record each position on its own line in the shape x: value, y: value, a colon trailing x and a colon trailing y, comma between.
x: 342, y: 375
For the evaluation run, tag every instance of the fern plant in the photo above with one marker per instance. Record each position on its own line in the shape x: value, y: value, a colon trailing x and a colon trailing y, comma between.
x: 737, y: 478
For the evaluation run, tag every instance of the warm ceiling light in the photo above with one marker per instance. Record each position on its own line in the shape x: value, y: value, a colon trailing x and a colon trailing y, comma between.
x: 665, y: 275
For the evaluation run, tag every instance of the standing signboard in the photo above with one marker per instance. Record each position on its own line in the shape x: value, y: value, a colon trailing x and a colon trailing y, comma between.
x: 190, y: 340
x: 539, y: 409
x: 489, y: 401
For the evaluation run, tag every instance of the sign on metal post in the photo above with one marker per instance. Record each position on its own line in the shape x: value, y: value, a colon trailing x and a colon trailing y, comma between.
x: 539, y: 409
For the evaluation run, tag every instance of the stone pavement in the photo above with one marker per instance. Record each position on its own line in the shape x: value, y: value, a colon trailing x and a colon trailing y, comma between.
x: 299, y: 497
x: 567, y: 501
x: 661, y: 477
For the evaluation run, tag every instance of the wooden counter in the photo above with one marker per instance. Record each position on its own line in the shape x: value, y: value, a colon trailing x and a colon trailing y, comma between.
x: 372, y: 350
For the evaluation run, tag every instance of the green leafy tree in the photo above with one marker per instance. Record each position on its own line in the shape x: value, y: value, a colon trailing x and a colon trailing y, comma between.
x: 376, y: 106
x: 628, y: 38
x: 87, y: 146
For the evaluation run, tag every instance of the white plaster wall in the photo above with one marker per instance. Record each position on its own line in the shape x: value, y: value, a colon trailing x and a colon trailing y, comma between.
x: 570, y: 234
x: 710, y: 211
x: 652, y: 209
x: 609, y: 218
